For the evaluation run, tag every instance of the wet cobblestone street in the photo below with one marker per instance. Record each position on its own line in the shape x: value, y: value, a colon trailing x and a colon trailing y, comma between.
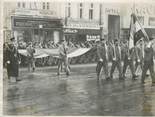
x: 44, y: 93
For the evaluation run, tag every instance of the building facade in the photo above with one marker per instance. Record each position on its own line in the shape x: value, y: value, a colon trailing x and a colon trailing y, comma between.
x: 76, y: 21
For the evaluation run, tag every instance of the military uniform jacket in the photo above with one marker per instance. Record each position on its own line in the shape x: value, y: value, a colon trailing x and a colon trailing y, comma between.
x: 102, y: 52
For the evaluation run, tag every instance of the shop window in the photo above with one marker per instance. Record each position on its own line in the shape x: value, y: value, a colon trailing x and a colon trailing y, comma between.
x: 36, y: 32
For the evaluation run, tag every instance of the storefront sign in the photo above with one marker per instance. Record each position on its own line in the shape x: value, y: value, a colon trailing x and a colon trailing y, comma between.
x: 112, y: 11
x: 92, y: 37
x: 70, y: 31
x: 152, y: 21
x: 36, y: 23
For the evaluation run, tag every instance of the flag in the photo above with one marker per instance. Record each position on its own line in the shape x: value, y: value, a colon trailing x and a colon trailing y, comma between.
x: 136, y: 31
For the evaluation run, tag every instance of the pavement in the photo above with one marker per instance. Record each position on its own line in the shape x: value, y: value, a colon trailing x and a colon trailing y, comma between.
x: 44, y: 93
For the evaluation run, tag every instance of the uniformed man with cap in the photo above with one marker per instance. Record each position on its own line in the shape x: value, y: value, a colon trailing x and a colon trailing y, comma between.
x: 63, y: 51
x: 102, y: 53
x: 149, y: 55
x: 13, y: 60
x: 116, y: 59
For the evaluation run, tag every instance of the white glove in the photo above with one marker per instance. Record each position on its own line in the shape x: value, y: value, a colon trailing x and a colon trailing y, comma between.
x: 19, y: 62
x: 8, y: 62
x: 114, y: 59
x: 101, y: 60
x: 129, y: 58
x: 138, y: 60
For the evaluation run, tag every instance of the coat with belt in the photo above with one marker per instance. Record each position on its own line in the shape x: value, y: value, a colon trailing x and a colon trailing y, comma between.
x: 102, y: 52
x: 129, y: 53
x: 114, y: 53
x: 12, y: 58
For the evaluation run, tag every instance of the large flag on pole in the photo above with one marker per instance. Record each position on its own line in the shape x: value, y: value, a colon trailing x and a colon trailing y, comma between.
x: 136, y: 31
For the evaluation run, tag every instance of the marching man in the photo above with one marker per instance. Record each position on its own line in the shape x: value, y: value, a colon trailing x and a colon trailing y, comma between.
x: 148, y: 62
x: 116, y: 59
x: 102, y: 53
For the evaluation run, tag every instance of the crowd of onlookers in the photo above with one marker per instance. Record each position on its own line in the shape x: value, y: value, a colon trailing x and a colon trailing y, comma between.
x: 51, y: 44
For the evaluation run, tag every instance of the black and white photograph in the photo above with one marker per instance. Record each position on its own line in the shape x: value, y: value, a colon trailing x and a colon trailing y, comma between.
x: 78, y: 57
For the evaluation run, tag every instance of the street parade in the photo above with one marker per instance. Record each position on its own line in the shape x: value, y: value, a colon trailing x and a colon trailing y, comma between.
x: 52, y: 69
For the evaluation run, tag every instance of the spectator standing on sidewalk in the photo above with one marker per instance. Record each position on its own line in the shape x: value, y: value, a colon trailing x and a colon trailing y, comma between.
x: 12, y: 60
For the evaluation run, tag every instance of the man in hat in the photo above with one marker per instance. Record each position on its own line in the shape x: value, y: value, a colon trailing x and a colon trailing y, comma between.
x: 63, y: 50
x: 149, y: 55
x: 12, y: 60
x: 30, y: 57
x: 116, y: 59
x: 128, y: 59
x: 102, y: 53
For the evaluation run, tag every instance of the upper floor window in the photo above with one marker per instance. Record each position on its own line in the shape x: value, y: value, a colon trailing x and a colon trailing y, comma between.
x: 91, y: 11
x: 81, y: 10
x: 18, y: 4
x: 23, y: 4
x: 43, y: 5
x: 69, y: 9
x: 48, y: 5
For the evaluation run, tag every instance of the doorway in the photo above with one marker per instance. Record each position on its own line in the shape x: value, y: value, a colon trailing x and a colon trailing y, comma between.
x: 113, y: 27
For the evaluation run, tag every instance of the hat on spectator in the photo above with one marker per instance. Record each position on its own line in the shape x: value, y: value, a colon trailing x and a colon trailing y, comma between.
x: 102, y: 39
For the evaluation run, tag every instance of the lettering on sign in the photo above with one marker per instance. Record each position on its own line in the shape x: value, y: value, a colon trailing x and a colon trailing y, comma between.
x: 111, y: 11
x: 70, y: 31
x: 92, y: 37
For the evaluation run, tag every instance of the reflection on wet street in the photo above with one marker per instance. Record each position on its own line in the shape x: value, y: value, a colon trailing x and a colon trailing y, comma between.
x: 44, y: 93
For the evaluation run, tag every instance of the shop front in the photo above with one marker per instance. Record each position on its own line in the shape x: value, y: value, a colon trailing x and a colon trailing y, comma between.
x: 36, y: 29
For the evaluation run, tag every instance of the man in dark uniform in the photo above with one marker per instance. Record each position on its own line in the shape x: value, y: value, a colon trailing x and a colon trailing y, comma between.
x: 116, y: 59
x: 63, y: 50
x: 102, y: 53
x: 12, y: 59
x: 148, y: 62
x: 129, y: 57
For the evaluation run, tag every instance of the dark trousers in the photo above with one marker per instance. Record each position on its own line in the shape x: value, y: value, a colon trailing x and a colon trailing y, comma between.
x: 117, y: 64
x: 129, y: 63
x: 148, y: 66
x: 105, y: 68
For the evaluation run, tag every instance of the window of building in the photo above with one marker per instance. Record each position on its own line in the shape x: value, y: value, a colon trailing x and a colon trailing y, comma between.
x: 92, y: 5
x: 69, y: 9
x: 30, y: 5
x: 48, y: 5
x: 35, y: 5
x: 91, y: 11
x: 81, y: 10
x: 43, y: 5
x: 141, y: 19
x: 151, y: 21
x: 90, y: 14
x: 23, y: 5
x: 18, y: 4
